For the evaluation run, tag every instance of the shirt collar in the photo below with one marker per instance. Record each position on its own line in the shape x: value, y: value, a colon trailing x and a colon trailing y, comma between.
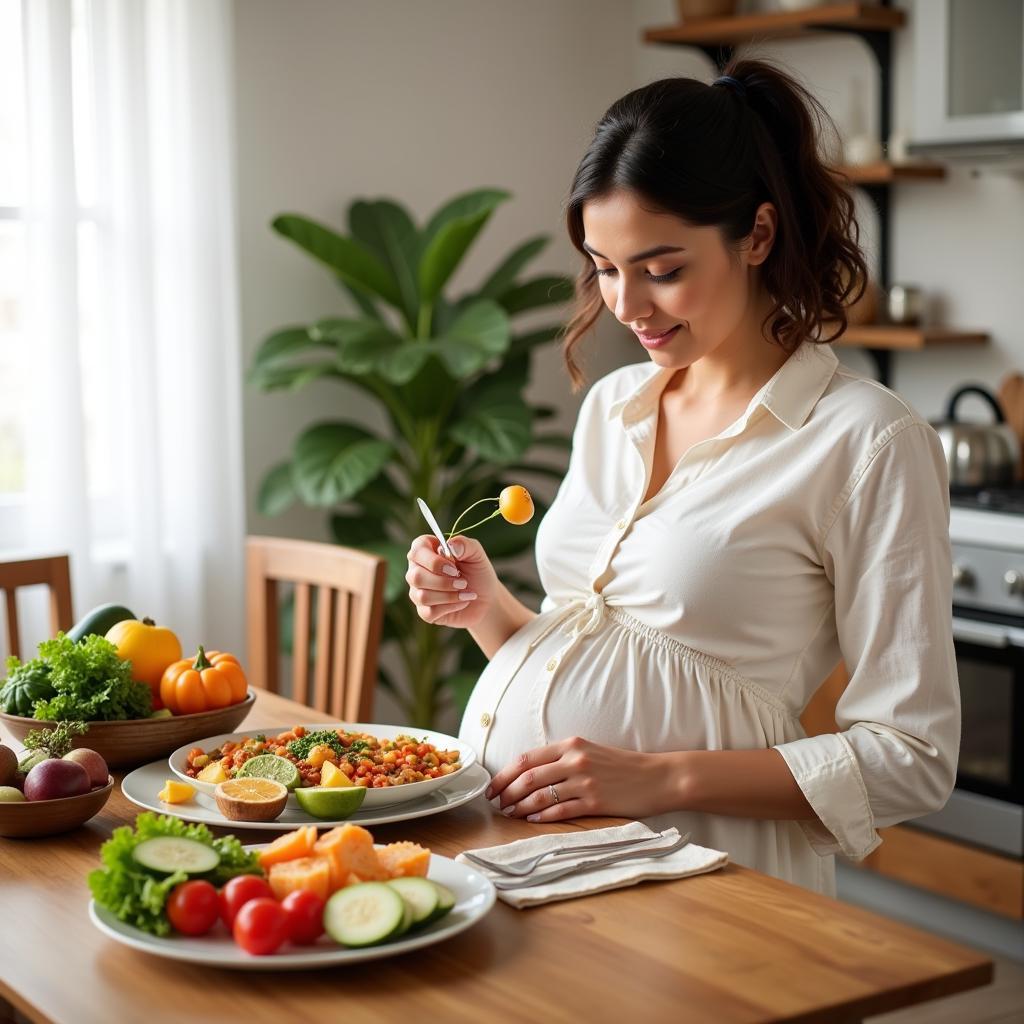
x: 789, y: 395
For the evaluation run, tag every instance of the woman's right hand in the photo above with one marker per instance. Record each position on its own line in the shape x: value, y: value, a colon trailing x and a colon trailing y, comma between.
x: 460, y: 597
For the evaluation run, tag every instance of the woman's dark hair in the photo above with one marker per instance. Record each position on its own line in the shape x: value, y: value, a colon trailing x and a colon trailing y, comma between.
x: 711, y: 154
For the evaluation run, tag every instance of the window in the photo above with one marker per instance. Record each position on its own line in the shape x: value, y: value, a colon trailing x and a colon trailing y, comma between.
x: 95, y: 356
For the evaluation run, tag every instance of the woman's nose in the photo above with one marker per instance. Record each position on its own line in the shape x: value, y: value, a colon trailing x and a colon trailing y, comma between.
x: 632, y: 304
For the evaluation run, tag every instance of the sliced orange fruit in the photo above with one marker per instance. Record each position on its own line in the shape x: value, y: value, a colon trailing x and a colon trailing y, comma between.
x: 251, y: 799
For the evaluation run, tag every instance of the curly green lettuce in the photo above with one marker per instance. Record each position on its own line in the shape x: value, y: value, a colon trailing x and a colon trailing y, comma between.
x: 138, y: 897
x: 90, y: 683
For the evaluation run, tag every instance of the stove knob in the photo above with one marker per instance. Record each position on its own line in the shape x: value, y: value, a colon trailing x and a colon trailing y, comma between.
x: 962, y: 576
x: 1014, y: 581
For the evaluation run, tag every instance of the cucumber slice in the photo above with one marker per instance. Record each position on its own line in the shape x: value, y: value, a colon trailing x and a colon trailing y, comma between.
x: 421, y: 895
x: 168, y: 854
x: 366, y: 914
x: 445, y: 901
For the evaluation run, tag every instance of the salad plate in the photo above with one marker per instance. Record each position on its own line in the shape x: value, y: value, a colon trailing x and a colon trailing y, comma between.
x: 142, y: 787
x: 474, y: 897
x: 375, y: 797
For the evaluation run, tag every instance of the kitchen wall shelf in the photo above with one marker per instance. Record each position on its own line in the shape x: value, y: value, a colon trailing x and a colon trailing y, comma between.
x: 893, y: 336
x: 883, y: 172
x: 874, y: 23
x: 741, y: 28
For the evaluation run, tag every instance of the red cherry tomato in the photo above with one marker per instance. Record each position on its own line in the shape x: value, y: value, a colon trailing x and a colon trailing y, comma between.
x: 305, y: 912
x: 193, y: 907
x: 237, y: 893
x: 261, y: 926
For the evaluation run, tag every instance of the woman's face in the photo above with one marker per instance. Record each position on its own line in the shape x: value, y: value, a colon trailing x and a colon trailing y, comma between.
x: 695, y: 285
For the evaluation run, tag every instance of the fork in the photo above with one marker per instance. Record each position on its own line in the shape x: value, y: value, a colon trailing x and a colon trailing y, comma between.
x: 527, y: 864
x: 587, y: 865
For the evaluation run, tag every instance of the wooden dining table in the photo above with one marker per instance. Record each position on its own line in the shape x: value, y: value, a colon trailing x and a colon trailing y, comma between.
x: 732, y: 945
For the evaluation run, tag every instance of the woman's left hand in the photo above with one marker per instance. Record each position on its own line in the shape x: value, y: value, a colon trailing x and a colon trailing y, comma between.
x: 587, y: 778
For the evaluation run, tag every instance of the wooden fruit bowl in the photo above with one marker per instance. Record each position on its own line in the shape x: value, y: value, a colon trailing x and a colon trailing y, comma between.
x: 138, y: 741
x: 28, y: 818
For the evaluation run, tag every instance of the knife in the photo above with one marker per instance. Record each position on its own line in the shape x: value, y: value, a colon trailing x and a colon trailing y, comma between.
x: 432, y: 523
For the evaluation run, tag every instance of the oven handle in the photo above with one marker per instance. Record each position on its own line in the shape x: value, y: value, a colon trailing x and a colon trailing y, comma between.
x: 987, y: 634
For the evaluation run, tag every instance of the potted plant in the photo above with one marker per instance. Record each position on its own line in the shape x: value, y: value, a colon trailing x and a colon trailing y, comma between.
x: 449, y: 374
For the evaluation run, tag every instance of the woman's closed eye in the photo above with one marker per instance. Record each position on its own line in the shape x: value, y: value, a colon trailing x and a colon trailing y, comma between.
x: 670, y: 276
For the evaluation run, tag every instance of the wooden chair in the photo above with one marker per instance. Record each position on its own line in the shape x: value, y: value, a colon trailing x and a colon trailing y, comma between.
x: 54, y: 573
x: 349, y: 618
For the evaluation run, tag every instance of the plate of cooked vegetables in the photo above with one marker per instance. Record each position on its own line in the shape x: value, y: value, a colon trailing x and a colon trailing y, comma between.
x: 309, y: 899
x: 393, y: 764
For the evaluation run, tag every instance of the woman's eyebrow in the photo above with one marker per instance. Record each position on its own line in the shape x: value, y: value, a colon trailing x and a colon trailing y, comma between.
x: 649, y: 254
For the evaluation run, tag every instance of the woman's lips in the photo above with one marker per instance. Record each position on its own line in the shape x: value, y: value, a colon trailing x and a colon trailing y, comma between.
x: 661, y: 339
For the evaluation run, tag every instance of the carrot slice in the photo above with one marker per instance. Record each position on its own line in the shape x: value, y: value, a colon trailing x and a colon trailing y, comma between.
x: 289, y: 847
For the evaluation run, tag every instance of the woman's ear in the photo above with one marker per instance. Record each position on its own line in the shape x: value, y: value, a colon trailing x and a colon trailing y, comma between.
x: 762, y: 236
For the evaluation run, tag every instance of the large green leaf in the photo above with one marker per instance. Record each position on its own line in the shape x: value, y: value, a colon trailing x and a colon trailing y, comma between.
x: 277, y: 492
x: 540, y: 291
x: 355, y: 530
x: 283, y: 344
x: 387, y: 230
x: 289, y: 378
x: 499, y: 431
x: 349, y: 258
x: 449, y: 233
x: 478, y: 335
x: 362, y: 299
x: 504, y: 276
x: 334, y: 461
x: 365, y: 346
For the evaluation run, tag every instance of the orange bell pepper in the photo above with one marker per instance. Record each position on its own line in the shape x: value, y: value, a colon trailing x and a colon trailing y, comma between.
x: 210, y: 681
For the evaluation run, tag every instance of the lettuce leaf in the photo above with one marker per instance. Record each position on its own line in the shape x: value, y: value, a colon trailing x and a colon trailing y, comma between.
x: 90, y: 683
x: 137, y: 896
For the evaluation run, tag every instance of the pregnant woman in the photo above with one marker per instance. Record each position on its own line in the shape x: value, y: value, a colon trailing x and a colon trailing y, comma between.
x: 739, y: 514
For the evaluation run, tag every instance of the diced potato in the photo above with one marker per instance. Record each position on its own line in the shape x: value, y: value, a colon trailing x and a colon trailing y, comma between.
x: 333, y: 777
x: 175, y: 792
x: 213, y: 772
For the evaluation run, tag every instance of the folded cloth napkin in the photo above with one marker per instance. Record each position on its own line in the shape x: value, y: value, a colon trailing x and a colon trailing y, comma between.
x: 689, y: 860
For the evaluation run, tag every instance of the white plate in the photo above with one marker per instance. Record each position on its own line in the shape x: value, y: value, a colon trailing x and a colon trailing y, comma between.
x: 374, y: 797
x: 474, y: 897
x: 143, y: 785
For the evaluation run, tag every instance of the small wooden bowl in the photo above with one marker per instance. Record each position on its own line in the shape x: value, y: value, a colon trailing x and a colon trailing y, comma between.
x: 138, y: 741
x: 28, y: 818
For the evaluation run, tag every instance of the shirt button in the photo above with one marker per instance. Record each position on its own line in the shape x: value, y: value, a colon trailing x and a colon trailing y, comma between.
x: 552, y: 664
x: 621, y: 524
x: 485, y: 719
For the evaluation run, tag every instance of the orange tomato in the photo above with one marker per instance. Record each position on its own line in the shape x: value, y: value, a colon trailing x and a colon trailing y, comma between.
x: 516, y: 505
x: 150, y: 649
x: 209, y: 681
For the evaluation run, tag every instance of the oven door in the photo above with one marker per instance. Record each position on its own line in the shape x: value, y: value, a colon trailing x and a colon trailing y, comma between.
x: 987, y: 806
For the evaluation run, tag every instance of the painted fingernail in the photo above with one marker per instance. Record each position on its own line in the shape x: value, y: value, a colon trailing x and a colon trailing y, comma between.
x: 467, y: 595
x: 489, y: 792
x: 460, y: 584
x: 508, y: 810
x: 449, y: 570
x: 458, y: 548
x: 533, y: 817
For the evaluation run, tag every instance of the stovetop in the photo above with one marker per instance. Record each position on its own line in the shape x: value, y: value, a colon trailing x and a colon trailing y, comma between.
x: 1008, y: 500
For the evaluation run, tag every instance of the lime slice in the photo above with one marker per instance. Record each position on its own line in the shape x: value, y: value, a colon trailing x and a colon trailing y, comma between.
x: 270, y: 766
x: 330, y: 804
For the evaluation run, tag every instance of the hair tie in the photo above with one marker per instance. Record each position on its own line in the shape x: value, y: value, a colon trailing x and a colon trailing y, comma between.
x: 733, y: 83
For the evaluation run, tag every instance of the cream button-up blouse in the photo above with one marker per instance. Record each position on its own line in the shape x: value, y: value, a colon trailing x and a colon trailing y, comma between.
x: 813, y: 529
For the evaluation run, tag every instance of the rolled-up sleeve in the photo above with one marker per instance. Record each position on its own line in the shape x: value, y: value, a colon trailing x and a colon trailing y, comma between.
x: 886, y: 550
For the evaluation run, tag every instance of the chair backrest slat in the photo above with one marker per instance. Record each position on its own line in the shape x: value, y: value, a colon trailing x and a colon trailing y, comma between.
x: 53, y: 572
x: 300, y: 644
x: 349, y: 586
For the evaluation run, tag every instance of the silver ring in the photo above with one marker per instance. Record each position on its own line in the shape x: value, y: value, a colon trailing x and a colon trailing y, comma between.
x: 554, y: 793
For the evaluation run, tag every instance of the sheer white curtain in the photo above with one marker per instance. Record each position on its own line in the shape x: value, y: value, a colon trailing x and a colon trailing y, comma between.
x: 133, y: 433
